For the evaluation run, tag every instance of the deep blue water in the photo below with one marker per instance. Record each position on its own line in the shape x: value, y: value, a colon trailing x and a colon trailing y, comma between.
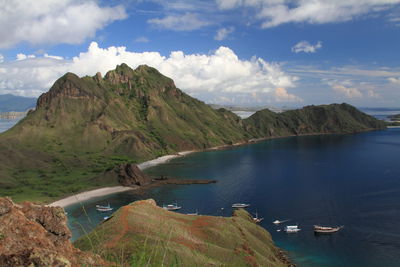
x: 351, y: 180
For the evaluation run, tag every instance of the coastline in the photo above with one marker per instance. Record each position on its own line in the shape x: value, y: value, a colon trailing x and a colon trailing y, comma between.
x: 83, y: 196
x: 64, y: 202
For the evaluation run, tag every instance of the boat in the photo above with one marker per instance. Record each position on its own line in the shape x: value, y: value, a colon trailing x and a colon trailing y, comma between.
x: 104, y: 208
x: 326, y: 229
x: 172, y: 207
x: 279, y: 222
x: 256, y: 219
x: 291, y: 229
x: 240, y: 205
x: 194, y: 213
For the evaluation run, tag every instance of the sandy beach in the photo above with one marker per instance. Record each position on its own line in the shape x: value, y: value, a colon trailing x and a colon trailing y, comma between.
x: 115, y: 189
x: 88, y: 195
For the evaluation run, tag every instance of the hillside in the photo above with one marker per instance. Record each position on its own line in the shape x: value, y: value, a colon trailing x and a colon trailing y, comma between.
x: 142, y: 233
x: 9, y: 103
x: 334, y: 118
x: 84, y: 128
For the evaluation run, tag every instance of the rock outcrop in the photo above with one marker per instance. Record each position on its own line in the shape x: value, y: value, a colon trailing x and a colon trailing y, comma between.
x: 33, y: 235
x: 129, y: 175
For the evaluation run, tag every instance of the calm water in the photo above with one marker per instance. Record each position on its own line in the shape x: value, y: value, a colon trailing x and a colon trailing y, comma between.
x: 351, y: 180
x: 5, y: 124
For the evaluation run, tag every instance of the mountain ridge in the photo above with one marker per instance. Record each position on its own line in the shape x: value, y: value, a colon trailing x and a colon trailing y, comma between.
x: 85, y: 127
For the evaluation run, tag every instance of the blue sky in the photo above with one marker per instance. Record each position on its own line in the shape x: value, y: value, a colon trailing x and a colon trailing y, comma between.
x: 240, y: 52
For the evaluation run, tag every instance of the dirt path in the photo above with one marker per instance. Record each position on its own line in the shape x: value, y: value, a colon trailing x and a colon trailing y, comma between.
x: 123, y: 228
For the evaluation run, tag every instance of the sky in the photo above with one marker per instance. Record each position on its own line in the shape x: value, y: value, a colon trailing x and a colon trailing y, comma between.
x: 282, y: 53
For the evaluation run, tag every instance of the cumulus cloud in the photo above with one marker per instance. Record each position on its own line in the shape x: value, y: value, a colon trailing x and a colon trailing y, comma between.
x: 1, y: 58
x: 394, y: 80
x: 223, y: 33
x: 306, y: 47
x: 53, y: 22
x: 142, y: 39
x: 282, y: 95
x: 346, y: 90
x: 186, y: 22
x: 276, y: 12
x: 215, y: 74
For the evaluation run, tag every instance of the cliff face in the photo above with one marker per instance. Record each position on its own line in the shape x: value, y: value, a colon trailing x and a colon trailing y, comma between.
x: 145, y: 234
x: 32, y: 235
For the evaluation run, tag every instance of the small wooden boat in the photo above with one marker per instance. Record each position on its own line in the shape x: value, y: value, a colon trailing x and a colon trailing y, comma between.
x: 194, y: 213
x: 291, y: 229
x: 103, y: 208
x: 172, y: 207
x: 240, y: 205
x: 326, y: 229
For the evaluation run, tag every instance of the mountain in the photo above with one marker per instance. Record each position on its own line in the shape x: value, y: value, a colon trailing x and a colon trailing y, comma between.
x: 9, y: 103
x: 323, y: 119
x: 144, y: 234
x: 84, y: 128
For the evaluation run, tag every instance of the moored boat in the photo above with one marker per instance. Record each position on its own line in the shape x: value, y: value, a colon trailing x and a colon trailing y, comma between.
x: 256, y: 219
x: 172, y: 207
x: 279, y: 222
x: 104, y: 208
x: 326, y: 229
x: 291, y: 229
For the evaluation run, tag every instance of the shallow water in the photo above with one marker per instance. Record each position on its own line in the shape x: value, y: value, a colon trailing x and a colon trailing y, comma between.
x: 351, y: 180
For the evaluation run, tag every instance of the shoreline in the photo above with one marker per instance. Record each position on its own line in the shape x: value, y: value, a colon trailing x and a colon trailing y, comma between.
x: 103, y: 191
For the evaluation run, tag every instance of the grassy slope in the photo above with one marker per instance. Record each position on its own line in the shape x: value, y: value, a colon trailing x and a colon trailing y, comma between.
x: 142, y: 233
x: 85, y: 126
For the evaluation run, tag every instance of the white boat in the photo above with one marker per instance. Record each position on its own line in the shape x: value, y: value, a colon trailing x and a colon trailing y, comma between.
x: 279, y: 222
x: 291, y: 229
x: 172, y: 207
x: 326, y: 229
x: 240, y: 205
x: 104, y: 208
x: 256, y: 219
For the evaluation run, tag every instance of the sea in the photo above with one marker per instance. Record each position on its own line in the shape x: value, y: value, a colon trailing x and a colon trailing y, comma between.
x: 351, y: 180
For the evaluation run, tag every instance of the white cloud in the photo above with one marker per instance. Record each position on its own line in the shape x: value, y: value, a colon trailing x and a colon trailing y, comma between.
x: 372, y: 94
x: 219, y: 73
x: 142, y: 39
x: 23, y: 56
x: 185, y: 22
x: 54, y: 57
x: 223, y: 33
x: 346, y: 89
x: 276, y: 12
x: 282, y: 95
x: 394, y: 80
x: 306, y: 47
x: 1, y: 58
x: 53, y: 22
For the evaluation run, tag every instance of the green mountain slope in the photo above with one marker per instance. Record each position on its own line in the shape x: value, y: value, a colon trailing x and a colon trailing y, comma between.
x: 334, y: 118
x: 85, y: 127
x: 142, y: 234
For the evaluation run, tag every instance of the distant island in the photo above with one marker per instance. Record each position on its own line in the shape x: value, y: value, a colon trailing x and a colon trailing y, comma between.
x: 12, y: 103
x: 84, y: 130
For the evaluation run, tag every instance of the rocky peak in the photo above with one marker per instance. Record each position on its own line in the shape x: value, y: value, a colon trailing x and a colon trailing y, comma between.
x: 129, y: 174
x: 33, y: 235
x: 69, y: 85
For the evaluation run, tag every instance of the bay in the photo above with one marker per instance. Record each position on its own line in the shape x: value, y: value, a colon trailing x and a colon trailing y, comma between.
x: 350, y: 180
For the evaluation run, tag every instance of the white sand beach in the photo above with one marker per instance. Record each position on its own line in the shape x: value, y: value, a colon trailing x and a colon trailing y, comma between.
x: 88, y: 195
x: 115, y: 189
x: 163, y: 159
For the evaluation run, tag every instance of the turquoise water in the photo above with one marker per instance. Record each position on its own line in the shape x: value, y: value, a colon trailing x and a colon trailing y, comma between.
x: 351, y: 180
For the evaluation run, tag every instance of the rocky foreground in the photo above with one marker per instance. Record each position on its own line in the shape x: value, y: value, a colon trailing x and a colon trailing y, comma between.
x: 143, y: 233
x: 34, y: 235
x: 139, y: 234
